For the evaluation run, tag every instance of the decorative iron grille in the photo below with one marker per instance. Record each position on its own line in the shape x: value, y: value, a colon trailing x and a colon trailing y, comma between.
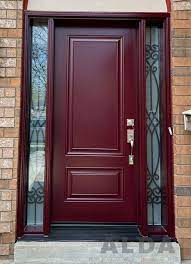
x: 153, y: 126
x: 36, y: 168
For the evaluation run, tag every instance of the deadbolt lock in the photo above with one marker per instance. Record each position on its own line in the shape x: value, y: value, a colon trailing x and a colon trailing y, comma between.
x: 130, y: 122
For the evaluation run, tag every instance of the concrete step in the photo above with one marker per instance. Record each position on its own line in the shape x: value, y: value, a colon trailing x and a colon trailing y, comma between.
x: 97, y: 253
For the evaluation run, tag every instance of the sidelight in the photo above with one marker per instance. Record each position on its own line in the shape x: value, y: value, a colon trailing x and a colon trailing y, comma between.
x: 154, y: 133
x: 37, y: 124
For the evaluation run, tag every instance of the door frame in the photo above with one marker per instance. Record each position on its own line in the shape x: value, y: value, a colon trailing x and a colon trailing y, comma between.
x: 141, y: 19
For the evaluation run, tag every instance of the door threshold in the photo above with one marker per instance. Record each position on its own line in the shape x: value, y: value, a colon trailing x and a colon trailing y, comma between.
x: 66, y: 232
x: 95, y: 232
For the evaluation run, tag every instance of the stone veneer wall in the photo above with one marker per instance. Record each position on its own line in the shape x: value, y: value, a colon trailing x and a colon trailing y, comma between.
x: 181, y: 89
x: 10, y: 73
x: 10, y: 78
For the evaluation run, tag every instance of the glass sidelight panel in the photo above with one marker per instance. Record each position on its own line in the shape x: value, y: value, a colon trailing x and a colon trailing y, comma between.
x: 37, y: 124
x: 154, y: 130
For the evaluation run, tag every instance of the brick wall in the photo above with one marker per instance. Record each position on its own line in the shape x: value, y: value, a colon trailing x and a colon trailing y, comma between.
x: 181, y: 81
x: 10, y: 65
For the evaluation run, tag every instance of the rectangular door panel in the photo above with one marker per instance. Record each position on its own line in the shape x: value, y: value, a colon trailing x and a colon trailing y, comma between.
x: 95, y: 69
x: 84, y: 184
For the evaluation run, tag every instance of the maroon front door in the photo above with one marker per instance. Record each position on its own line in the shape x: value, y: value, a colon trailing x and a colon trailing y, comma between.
x: 95, y: 84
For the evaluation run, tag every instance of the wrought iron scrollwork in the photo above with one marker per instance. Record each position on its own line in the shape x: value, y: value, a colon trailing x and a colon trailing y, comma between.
x: 153, y: 127
x: 36, y: 199
x: 39, y: 57
x: 36, y: 195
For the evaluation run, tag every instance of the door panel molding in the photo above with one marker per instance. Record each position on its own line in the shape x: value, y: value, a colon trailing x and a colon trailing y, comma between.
x: 112, y: 191
x: 110, y: 139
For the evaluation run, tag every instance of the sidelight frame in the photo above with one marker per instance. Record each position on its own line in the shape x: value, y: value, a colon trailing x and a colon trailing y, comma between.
x: 142, y: 19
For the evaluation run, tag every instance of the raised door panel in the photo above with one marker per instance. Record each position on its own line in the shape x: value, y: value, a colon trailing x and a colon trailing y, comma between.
x: 84, y: 184
x: 95, y: 92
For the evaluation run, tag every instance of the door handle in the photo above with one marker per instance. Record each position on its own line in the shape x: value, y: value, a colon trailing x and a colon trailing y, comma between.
x: 132, y: 145
x: 131, y: 156
x: 130, y: 140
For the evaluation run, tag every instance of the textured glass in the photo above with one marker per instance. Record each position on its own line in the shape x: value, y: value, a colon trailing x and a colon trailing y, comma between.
x: 153, y: 125
x: 36, y: 167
